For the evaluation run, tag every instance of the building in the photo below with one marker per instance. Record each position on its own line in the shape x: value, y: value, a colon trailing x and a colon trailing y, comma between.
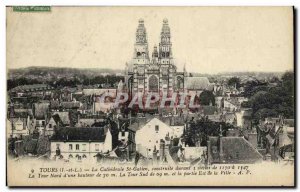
x: 32, y: 90
x: 244, y: 118
x: 232, y: 150
x: 155, y: 74
x: 17, y: 127
x: 80, y: 144
x: 149, y: 136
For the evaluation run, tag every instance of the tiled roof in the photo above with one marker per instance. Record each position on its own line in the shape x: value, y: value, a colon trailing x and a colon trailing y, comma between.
x: 34, y: 87
x: 235, y: 150
x: 70, y: 105
x: 197, y: 83
x: 54, y: 104
x: 79, y: 134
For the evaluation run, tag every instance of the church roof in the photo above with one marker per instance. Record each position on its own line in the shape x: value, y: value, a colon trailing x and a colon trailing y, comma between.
x: 197, y: 83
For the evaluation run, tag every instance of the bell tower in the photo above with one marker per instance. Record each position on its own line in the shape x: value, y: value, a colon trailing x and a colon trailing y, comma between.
x: 165, y: 45
x: 141, y: 53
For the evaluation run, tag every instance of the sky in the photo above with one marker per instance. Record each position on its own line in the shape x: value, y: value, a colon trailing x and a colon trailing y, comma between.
x: 205, y: 39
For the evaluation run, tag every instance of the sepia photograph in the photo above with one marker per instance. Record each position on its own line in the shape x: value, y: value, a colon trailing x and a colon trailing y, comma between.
x: 150, y: 96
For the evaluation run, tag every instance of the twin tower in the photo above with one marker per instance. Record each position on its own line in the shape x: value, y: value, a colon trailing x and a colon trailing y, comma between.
x: 155, y: 74
x: 161, y: 56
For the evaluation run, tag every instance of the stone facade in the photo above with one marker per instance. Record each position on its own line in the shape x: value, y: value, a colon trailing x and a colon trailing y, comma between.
x: 155, y: 74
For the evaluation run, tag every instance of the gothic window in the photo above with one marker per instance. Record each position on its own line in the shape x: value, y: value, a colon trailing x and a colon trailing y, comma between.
x: 153, y: 83
x: 167, y: 54
x: 163, y: 54
x: 138, y: 54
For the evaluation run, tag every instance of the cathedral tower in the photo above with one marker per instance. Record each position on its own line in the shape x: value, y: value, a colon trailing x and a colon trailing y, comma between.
x: 165, y: 45
x: 141, y: 53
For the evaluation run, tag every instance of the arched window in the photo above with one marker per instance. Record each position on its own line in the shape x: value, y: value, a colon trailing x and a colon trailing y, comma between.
x: 153, y: 83
x: 138, y: 54
x: 84, y: 156
x: 70, y: 156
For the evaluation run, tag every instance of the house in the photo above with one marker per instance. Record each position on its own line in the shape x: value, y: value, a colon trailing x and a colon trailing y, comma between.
x: 64, y: 116
x: 134, y: 125
x: 41, y: 112
x: 243, y: 118
x: 99, y: 91
x: 54, y: 123
x: 276, y: 136
x: 219, y: 102
x: 232, y: 150
x: 149, y: 136
x: 80, y: 144
x: 230, y: 118
x: 17, y: 127
x: 231, y: 104
x: 32, y: 90
x: 177, y: 130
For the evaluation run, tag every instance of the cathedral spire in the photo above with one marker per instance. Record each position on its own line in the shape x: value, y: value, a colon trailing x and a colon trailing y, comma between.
x: 141, y: 34
x: 141, y: 53
x: 165, y: 45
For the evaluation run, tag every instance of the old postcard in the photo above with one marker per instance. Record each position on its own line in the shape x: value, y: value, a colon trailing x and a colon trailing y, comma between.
x: 150, y: 96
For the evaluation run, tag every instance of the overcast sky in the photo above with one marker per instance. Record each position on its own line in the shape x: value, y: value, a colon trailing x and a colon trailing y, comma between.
x: 207, y: 40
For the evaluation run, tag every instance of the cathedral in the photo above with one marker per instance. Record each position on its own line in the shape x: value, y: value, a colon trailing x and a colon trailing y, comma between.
x: 157, y: 72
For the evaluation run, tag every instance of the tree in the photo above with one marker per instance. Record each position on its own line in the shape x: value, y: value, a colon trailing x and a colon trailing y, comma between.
x: 270, y: 101
x: 234, y: 82
x: 207, y: 97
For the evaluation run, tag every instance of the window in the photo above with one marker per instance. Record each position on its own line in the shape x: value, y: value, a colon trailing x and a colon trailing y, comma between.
x: 123, y: 133
x: 50, y: 125
x: 70, y: 156
x: 156, y: 128
x: 83, y: 147
x: 96, y: 147
x: 77, y: 146
x: 214, y: 149
x: 70, y: 147
x: 43, y: 123
x: 153, y: 83
x: 84, y: 156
